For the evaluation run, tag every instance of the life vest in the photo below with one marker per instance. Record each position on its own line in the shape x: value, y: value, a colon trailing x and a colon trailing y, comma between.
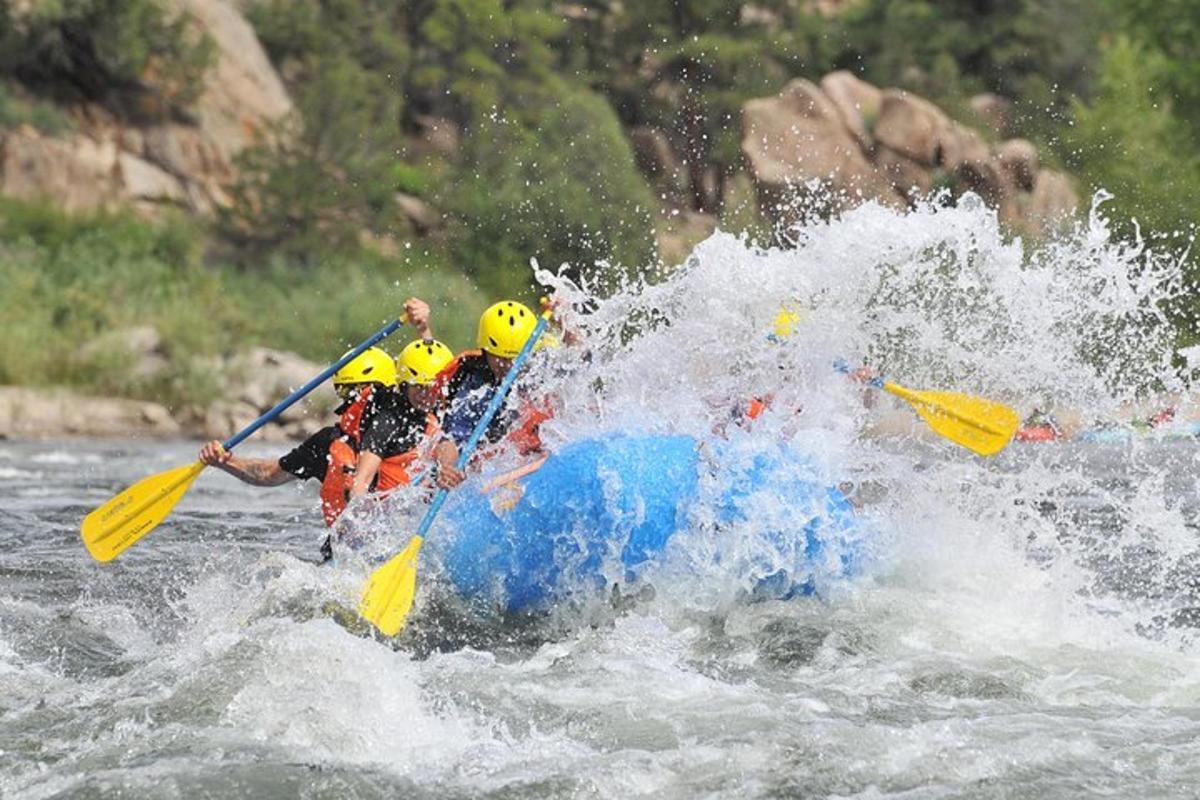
x: 343, y: 461
x: 526, y: 436
x: 757, y: 406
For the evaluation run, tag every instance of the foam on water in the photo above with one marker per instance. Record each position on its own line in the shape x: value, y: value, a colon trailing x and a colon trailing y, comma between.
x: 1020, y: 622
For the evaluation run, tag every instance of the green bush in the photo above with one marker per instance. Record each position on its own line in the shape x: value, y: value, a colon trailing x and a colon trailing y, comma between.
x: 16, y: 108
x: 566, y: 190
x: 69, y: 280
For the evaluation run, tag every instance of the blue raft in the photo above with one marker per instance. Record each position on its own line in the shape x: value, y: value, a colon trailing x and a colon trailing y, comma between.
x: 606, y: 511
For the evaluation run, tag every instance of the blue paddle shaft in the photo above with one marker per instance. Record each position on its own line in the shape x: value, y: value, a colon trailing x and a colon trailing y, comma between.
x: 492, y: 407
x: 287, y: 402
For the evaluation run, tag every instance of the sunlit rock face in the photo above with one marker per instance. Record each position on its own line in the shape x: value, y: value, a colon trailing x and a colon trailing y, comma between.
x: 158, y: 160
x: 850, y: 141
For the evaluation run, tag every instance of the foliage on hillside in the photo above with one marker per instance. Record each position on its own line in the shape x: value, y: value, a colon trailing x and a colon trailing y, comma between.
x: 71, y: 279
x: 538, y: 97
x: 134, y: 53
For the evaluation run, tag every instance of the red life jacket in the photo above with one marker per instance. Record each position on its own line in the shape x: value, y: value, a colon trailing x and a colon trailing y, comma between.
x: 526, y: 436
x: 343, y: 460
x: 757, y: 406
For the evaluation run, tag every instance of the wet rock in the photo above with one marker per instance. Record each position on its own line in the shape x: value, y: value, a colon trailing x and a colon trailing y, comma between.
x: 964, y: 685
x: 38, y: 413
x: 790, y: 643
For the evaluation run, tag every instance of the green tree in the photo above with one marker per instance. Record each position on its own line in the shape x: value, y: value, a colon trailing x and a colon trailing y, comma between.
x: 479, y: 57
x: 326, y: 175
x: 1128, y: 141
x: 1036, y: 52
x: 111, y: 51
x: 1172, y: 28
x: 560, y: 187
x: 687, y: 68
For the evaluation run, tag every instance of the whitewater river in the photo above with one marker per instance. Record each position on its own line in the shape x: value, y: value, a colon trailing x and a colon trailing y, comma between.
x: 1025, y: 626
x: 978, y: 660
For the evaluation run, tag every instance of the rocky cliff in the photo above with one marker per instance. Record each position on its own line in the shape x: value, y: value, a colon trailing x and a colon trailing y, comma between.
x: 175, y: 160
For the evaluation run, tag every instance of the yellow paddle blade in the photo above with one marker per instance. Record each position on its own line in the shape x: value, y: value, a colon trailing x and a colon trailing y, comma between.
x: 389, y: 594
x: 133, y: 513
x: 983, y: 426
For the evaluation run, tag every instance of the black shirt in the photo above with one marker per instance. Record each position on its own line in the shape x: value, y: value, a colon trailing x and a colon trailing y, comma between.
x: 311, y: 458
x: 391, y: 425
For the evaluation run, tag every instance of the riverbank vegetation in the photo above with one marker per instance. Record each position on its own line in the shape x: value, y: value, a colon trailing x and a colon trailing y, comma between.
x: 436, y: 147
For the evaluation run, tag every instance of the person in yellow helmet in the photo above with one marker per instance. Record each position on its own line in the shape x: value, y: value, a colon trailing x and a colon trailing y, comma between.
x: 469, y: 381
x: 407, y: 419
x: 376, y: 423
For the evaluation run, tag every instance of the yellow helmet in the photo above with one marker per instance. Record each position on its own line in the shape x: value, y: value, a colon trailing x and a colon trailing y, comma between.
x: 421, y: 361
x: 504, y: 328
x: 784, y: 324
x: 369, y: 366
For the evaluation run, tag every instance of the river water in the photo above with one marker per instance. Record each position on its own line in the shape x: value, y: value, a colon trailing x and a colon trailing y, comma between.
x: 1026, y: 627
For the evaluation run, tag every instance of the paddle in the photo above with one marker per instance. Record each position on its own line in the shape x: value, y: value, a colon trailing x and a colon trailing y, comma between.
x: 983, y: 426
x: 388, y: 596
x: 133, y: 513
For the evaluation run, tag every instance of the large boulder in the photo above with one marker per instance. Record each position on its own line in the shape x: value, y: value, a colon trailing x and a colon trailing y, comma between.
x: 798, y: 140
x: 858, y: 103
x: 917, y: 129
x: 994, y: 111
x: 261, y: 377
x: 243, y: 95
x: 890, y: 146
x: 910, y: 179
x: 1019, y: 160
x: 961, y: 145
x: 1052, y: 201
x: 912, y: 126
